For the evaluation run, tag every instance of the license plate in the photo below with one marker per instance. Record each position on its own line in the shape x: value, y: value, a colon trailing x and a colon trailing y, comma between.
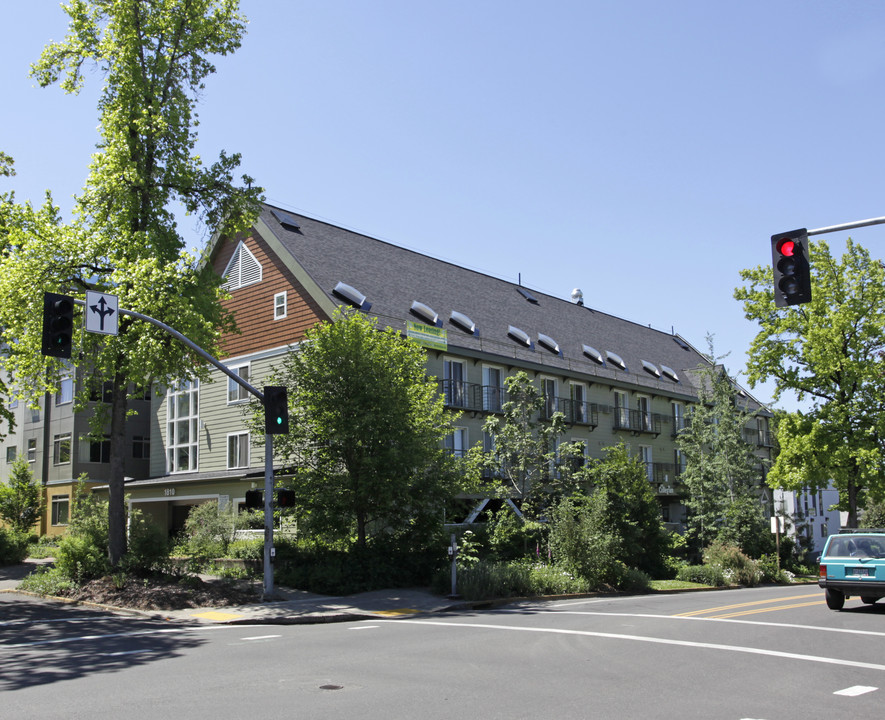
x: 860, y: 572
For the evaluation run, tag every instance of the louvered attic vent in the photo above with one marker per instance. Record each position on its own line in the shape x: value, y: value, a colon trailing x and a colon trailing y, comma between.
x: 593, y: 354
x: 650, y: 369
x: 463, y: 322
x: 242, y: 270
x: 351, y: 295
x: 670, y: 373
x: 549, y: 343
x: 424, y: 312
x: 286, y: 220
x: 520, y: 336
x: 615, y: 359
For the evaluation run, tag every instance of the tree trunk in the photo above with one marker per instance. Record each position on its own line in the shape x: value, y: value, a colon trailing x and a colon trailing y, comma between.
x: 116, y: 490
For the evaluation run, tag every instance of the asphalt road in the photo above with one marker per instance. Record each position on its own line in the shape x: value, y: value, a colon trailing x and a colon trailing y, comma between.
x: 768, y: 653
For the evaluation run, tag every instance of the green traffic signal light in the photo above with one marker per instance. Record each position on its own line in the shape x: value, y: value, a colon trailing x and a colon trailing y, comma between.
x: 276, y: 410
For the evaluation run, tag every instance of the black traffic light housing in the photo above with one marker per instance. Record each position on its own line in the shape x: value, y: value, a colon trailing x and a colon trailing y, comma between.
x: 276, y: 410
x: 792, y: 272
x: 58, y: 325
x: 285, y: 498
x: 254, y: 499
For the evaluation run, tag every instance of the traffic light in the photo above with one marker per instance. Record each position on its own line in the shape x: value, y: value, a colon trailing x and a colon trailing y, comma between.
x: 792, y: 272
x: 276, y: 410
x: 58, y: 325
x: 254, y: 499
x: 285, y: 498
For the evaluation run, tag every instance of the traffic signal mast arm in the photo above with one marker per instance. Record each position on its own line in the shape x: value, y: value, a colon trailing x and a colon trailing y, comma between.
x: 848, y: 226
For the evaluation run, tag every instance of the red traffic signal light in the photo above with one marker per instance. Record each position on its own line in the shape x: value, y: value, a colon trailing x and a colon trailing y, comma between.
x: 58, y: 325
x: 792, y: 272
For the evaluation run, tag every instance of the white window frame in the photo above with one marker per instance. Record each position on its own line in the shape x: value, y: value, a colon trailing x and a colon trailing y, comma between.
x: 238, y: 450
x: 280, y: 302
x: 622, y: 409
x: 492, y: 394
x: 580, y: 407
x: 182, y: 428
x: 551, y: 399
x: 646, y: 457
x: 678, y: 415
x: 457, y: 441
x: 57, y: 443
x: 65, y: 394
x: 455, y: 388
x: 236, y: 393
x: 643, y: 409
x: 58, y: 502
x: 32, y: 450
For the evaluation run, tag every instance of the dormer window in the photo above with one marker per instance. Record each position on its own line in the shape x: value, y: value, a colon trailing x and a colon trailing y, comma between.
x: 650, y: 369
x: 242, y: 270
x: 670, y: 373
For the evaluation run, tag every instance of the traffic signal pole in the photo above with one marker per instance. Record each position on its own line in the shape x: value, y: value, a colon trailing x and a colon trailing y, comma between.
x: 848, y: 226
x: 268, y: 439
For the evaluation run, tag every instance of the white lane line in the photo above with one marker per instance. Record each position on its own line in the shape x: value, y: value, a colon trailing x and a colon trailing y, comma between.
x: 658, y: 641
x: 364, y: 627
x: 135, y: 633
x: 792, y: 626
x: 261, y: 637
x: 856, y: 690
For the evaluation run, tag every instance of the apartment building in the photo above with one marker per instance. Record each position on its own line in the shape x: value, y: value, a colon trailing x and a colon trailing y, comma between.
x: 614, y: 380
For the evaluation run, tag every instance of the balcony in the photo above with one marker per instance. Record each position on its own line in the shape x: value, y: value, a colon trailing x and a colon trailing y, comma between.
x: 473, y: 396
x: 759, y: 438
x: 637, y: 421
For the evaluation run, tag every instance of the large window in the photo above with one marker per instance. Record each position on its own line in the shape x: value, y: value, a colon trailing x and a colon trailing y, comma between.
x: 236, y: 392
x: 454, y: 387
x: 182, y: 435
x: 622, y: 410
x: 492, y: 389
x: 141, y: 447
x: 551, y: 402
x: 238, y: 450
x: 65, y: 392
x: 61, y: 509
x: 61, y: 449
x: 456, y: 442
x: 98, y: 451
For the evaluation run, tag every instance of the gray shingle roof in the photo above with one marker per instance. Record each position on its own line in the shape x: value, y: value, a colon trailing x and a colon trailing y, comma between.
x: 392, y: 278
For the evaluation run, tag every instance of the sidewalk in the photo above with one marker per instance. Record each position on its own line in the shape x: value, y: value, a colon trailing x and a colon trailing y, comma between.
x: 295, y: 607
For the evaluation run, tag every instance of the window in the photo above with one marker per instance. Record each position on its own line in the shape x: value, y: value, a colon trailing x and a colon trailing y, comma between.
x: 242, y: 270
x: 103, y: 392
x: 678, y: 417
x: 645, y: 456
x: 10, y: 454
x: 98, y: 451
x: 492, y: 389
x: 548, y: 390
x: 454, y: 386
x: 456, y: 442
x: 643, y: 403
x: 279, y: 306
x: 182, y: 437
x: 679, y: 461
x: 61, y: 509
x: 236, y: 392
x: 61, y: 449
x: 141, y: 447
x: 622, y: 410
x: 32, y: 450
x: 238, y: 450
x: 65, y: 392
x: 578, y: 410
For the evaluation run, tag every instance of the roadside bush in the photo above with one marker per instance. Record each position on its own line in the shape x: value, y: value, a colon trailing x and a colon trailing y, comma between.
x: 80, y: 559
x: 512, y: 537
x: 736, y: 566
x: 13, y: 546
x: 48, y: 581
x: 148, y: 547
x: 635, y: 580
x: 207, y: 532
x: 704, y: 574
x: 767, y: 565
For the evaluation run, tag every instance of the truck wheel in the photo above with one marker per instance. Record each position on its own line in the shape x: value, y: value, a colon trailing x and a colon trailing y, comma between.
x: 835, y: 599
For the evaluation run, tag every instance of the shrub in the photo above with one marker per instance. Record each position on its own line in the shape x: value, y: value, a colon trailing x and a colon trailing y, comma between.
x: 47, y: 581
x: 704, y: 574
x: 13, y: 546
x: 148, y: 545
x: 768, y: 568
x: 635, y: 580
x: 512, y: 537
x: 79, y: 559
x: 737, y: 567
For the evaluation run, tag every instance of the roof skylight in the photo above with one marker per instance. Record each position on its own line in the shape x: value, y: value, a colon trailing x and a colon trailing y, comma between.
x: 650, y: 369
x: 615, y: 359
x: 670, y: 373
x: 527, y: 295
x: 425, y: 312
x: 351, y: 295
x: 593, y: 354
x: 463, y: 322
x: 549, y: 343
x: 285, y: 219
x: 519, y: 335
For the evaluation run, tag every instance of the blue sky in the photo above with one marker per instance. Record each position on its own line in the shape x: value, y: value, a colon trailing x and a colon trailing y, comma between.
x: 641, y: 151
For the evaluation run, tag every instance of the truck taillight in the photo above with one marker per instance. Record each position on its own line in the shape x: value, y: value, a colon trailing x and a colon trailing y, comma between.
x: 823, y: 571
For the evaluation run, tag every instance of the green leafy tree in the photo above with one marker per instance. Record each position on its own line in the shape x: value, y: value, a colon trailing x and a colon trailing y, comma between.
x: 528, y: 460
x: 721, y: 467
x: 154, y: 58
x: 632, y: 513
x: 829, y: 354
x: 366, y: 433
x: 21, y: 500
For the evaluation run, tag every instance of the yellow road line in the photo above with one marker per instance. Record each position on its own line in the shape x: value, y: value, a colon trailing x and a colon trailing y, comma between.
x: 819, y: 601
x: 740, y: 605
x: 395, y: 613
x: 217, y: 615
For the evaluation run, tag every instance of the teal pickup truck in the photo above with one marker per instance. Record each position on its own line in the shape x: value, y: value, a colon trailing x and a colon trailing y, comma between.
x: 853, y: 564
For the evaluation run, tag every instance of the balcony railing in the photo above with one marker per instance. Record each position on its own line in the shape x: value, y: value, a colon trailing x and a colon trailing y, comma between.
x: 637, y: 421
x: 473, y: 396
x: 760, y: 438
x: 574, y: 411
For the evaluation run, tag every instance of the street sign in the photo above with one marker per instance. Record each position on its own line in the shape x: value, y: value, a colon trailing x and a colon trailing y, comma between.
x: 102, y: 313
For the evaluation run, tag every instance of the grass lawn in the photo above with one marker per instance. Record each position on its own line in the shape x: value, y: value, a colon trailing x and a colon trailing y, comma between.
x: 675, y: 585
